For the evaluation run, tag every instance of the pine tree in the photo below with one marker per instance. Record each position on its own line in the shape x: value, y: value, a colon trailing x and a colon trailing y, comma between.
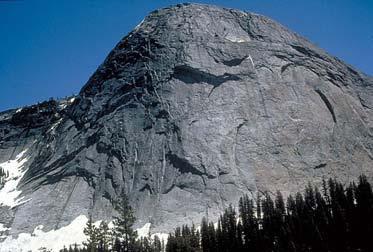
x: 239, y: 237
x: 212, y: 237
x: 220, y: 238
x: 103, y: 237
x: 279, y: 223
x: 338, y: 204
x: 123, y: 223
x: 64, y: 249
x: 229, y: 229
x: 205, y: 239
x: 364, y: 213
x: 195, y: 238
x: 250, y: 227
x: 351, y: 215
x: 156, y: 244
x: 171, y: 243
x: 322, y: 219
x: 91, y: 232
x: 117, y: 246
x: 76, y: 248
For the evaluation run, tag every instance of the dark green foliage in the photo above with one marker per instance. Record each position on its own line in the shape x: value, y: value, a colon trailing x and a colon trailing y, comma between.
x: 184, y: 239
x: 123, y: 224
x: 208, y: 236
x: 250, y: 225
x: 122, y: 237
x: 338, y: 219
x: 104, y: 235
x: 92, y: 233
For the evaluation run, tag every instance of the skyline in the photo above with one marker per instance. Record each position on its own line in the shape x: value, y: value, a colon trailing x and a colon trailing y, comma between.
x: 51, y: 50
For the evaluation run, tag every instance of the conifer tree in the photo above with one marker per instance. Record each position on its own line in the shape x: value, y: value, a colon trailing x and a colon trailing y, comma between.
x: 322, y: 219
x: 205, y: 239
x: 229, y: 229
x: 220, y: 238
x: 364, y: 213
x: 91, y: 232
x: 268, y: 222
x: 103, y: 237
x: 170, y: 247
x: 208, y: 236
x: 250, y: 227
x: 195, y: 238
x: 123, y: 223
x: 280, y: 241
x: 157, y: 244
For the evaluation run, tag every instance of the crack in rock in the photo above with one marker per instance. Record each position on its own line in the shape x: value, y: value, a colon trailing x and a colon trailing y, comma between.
x: 322, y: 165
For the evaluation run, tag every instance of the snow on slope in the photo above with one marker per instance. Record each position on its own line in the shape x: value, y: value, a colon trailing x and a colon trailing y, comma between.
x: 144, y: 232
x: 237, y: 39
x: 9, y: 193
x: 57, y: 239
x: 54, y: 239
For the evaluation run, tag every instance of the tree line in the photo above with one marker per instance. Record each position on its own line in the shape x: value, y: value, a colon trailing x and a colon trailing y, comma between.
x: 333, y: 218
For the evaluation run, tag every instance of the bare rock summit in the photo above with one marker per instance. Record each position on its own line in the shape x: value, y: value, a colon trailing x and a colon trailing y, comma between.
x: 195, y: 107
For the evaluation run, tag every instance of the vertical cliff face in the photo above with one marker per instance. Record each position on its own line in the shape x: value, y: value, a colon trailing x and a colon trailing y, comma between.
x: 195, y: 107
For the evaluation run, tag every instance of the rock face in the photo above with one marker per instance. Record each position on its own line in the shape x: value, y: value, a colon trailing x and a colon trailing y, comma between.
x: 194, y: 108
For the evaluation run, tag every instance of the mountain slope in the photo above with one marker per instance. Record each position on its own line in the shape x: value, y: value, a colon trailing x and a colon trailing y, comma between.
x: 195, y: 107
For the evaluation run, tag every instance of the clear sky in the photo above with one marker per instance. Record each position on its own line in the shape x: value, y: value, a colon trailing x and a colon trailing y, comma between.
x: 50, y: 48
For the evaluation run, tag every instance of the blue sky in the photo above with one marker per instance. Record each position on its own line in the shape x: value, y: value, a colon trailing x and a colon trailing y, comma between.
x: 50, y: 48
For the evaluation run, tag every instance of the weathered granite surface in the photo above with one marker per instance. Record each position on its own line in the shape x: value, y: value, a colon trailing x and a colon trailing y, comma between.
x: 195, y: 107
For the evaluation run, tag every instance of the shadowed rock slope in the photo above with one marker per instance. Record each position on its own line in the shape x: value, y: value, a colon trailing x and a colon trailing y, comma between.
x: 195, y: 107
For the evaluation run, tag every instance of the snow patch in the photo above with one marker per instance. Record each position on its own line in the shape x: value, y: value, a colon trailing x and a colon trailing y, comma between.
x: 9, y: 193
x: 54, y: 239
x: 55, y: 124
x: 138, y: 26
x: 19, y: 110
x: 144, y: 231
x: 3, y: 228
x: 235, y: 39
x: 65, y: 103
x: 63, y: 106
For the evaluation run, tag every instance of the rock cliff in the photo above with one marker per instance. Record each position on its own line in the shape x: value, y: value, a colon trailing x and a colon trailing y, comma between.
x: 195, y: 107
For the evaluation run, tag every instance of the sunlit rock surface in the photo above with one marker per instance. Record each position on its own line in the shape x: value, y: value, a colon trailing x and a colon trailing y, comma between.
x: 194, y: 108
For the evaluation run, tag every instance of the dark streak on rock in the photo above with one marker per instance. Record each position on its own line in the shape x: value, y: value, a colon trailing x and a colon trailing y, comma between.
x: 320, y: 166
x: 327, y: 103
x: 182, y: 164
x: 192, y: 75
x: 233, y: 62
x: 286, y: 66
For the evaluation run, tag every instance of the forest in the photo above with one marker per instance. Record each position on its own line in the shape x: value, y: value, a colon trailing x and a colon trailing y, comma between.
x: 333, y: 218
